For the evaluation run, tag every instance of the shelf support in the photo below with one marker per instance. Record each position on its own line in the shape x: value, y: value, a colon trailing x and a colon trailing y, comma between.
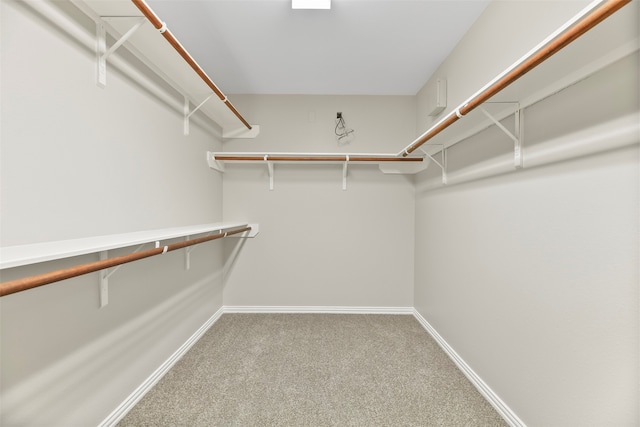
x: 106, y: 273
x: 517, y: 138
x: 188, y: 114
x: 102, y: 52
x: 518, y: 154
x: 213, y: 163
x: 187, y: 254
x: 443, y: 165
x: 189, y: 249
x: 270, y: 170
x: 344, y: 174
x: 104, y: 282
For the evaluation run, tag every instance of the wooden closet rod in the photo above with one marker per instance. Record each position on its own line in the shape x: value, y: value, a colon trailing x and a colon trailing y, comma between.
x: 18, y: 285
x: 159, y: 25
x: 316, y: 159
x: 589, y: 21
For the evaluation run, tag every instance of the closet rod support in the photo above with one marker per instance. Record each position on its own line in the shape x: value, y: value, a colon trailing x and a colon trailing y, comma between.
x: 188, y: 114
x: 517, y: 139
x: 270, y: 170
x: 103, y: 53
x: 105, y: 274
x: 214, y: 163
x: 344, y: 173
x: 518, y: 155
x: 443, y: 165
x: 187, y: 254
x: 189, y: 249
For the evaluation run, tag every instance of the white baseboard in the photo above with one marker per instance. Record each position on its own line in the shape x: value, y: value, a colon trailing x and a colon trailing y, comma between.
x: 148, y: 384
x: 505, y: 412
x: 317, y: 309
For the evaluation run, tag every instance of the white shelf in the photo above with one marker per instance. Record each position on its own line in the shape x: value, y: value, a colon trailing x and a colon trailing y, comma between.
x: 19, y: 255
x: 385, y: 163
x: 608, y: 42
x: 148, y: 45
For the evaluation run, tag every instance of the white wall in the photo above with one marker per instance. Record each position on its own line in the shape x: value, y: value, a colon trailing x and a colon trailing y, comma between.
x: 320, y: 245
x: 81, y: 161
x: 306, y: 123
x: 532, y: 276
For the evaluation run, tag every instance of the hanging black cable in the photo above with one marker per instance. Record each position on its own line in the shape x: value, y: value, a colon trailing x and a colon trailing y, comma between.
x: 341, y: 130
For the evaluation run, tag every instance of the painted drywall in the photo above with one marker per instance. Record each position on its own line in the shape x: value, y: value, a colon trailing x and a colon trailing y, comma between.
x: 320, y: 245
x: 80, y: 161
x: 306, y: 123
x: 533, y: 281
x: 532, y: 276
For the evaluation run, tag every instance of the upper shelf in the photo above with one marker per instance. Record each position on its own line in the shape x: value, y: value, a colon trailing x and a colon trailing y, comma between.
x: 602, y: 33
x: 387, y: 163
x: 149, y: 46
x: 15, y: 256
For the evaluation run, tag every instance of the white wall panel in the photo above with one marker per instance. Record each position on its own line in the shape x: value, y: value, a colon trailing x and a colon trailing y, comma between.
x: 319, y: 245
x: 306, y: 123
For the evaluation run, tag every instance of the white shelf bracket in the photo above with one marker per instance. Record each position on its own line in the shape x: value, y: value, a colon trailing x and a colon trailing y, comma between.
x: 189, y: 249
x: 104, y: 277
x: 105, y: 274
x: 213, y: 163
x: 518, y: 159
x: 185, y: 112
x: 101, y: 48
x: 104, y: 282
x: 187, y: 254
x: 443, y: 165
x: 344, y: 174
x: 270, y: 170
x: 188, y: 114
x: 517, y: 139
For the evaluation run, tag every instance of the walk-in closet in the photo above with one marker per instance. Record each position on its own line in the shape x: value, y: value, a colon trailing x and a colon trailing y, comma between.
x: 314, y: 213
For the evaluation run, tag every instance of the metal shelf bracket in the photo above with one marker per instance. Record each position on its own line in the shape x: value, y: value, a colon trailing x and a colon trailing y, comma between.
x: 106, y: 273
x: 187, y: 254
x: 188, y: 114
x: 102, y: 53
x: 518, y: 154
x: 517, y: 138
x: 344, y: 174
x: 270, y: 170
x: 443, y: 165
x: 213, y: 163
x: 189, y: 249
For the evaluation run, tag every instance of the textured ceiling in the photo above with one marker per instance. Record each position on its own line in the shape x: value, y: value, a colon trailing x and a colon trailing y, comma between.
x: 364, y: 47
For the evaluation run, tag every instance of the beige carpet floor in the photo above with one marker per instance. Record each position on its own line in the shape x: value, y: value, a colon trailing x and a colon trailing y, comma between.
x: 314, y: 370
